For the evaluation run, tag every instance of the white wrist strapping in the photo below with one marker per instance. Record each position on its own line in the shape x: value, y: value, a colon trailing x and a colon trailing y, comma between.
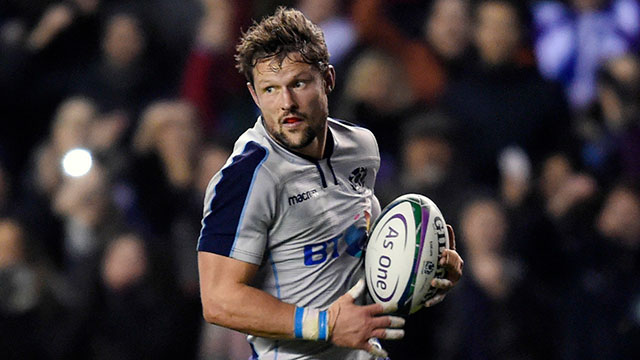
x: 311, y: 324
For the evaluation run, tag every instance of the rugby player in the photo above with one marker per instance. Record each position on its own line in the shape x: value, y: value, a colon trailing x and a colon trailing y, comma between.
x: 286, y: 219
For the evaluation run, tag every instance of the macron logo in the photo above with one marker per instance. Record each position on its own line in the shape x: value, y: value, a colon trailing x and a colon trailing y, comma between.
x: 302, y: 197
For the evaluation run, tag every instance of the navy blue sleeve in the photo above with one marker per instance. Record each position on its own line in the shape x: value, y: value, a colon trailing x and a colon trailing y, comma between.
x: 220, y: 225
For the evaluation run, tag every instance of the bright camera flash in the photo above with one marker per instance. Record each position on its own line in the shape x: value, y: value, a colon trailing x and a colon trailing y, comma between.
x: 77, y: 162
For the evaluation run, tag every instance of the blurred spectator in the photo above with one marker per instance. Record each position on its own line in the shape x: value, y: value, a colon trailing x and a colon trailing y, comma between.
x: 167, y: 148
x: 76, y: 124
x: 170, y: 176
x: 90, y: 218
x: 502, y: 101
x: 124, y: 263
x: 573, y: 39
x: 70, y: 128
x: 602, y: 308
x: 23, y: 295
x: 560, y: 209
x: 210, y: 81
x: 167, y: 176
x: 562, y: 187
x: 430, y: 164
x: 123, y: 78
x: 34, y: 314
x: 166, y: 145
x: 429, y: 63
x: 171, y: 171
x: 382, y: 108
x: 41, y: 45
x: 20, y: 295
x: 612, y: 136
x: 133, y: 319
x: 617, y: 220
x: 497, y: 315
x: 484, y: 227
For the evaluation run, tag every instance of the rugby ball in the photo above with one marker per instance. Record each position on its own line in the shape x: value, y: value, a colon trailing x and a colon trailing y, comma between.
x: 402, y: 254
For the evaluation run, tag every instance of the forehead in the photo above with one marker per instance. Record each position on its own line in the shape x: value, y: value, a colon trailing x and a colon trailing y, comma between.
x: 272, y: 69
x: 448, y: 7
x: 497, y: 11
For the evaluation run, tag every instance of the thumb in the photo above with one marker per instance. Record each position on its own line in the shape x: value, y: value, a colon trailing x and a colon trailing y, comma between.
x: 356, y: 291
x: 376, y: 349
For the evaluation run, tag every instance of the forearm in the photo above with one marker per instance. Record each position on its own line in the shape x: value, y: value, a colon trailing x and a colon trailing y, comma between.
x: 229, y: 302
x: 249, y: 310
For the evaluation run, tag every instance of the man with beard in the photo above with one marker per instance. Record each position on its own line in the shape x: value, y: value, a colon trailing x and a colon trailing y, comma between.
x: 286, y: 219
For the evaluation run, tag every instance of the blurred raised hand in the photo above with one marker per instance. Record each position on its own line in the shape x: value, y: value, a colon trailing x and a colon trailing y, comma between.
x: 55, y: 19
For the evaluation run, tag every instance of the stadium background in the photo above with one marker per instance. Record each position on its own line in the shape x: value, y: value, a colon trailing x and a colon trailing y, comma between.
x: 520, y: 119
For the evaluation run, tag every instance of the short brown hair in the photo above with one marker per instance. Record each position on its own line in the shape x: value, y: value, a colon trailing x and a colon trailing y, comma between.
x: 276, y: 36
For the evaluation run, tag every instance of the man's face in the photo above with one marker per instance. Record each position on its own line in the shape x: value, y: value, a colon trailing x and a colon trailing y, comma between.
x: 293, y: 100
x: 497, y: 32
x: 447, y: 28
x: 123, y: 41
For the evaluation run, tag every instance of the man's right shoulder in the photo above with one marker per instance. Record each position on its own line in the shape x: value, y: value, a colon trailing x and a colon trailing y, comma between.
x: 247, y: 157
x: 252, y: 153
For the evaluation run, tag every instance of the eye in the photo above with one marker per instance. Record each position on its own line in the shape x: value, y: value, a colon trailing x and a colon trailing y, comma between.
x: 268, y: 90
x: 299, y: 83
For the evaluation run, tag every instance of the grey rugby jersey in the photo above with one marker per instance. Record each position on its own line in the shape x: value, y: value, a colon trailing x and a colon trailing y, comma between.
x: 302, y: 221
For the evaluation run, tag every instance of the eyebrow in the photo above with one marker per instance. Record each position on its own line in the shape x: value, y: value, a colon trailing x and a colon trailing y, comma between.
x: 306, y: 74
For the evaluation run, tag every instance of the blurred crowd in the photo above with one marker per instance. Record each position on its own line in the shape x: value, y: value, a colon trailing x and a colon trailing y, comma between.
x: 520, y: 119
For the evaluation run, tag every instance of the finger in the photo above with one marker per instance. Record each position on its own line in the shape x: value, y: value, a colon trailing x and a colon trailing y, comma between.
x: 450, y: 258
x: 393, y: 334
x: 374, y: 348
x: 452, y: 237
x: 435, y: 300
x: 388, y: 322
x: 396, y: 322
x: 357, y: 290
x: 388, y: 334
x: 377, y: 309
x: 389, y: 308
x: 453, y: 263
x: 443, y: 284
x: 444, y: 258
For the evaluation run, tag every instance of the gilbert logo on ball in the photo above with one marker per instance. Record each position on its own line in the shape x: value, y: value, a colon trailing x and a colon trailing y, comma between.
x: 402, y: 255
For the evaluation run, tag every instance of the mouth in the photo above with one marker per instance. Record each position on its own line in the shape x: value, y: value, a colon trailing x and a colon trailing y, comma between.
x: 291, y: 120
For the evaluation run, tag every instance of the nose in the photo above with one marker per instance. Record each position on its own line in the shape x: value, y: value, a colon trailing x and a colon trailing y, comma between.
x: 288, y: 100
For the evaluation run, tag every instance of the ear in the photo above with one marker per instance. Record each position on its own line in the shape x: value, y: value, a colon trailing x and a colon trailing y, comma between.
x: 329, y: 79
x: 252, y: 91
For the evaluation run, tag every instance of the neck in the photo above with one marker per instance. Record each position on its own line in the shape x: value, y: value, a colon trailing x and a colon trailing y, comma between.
x: 317, y: 148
